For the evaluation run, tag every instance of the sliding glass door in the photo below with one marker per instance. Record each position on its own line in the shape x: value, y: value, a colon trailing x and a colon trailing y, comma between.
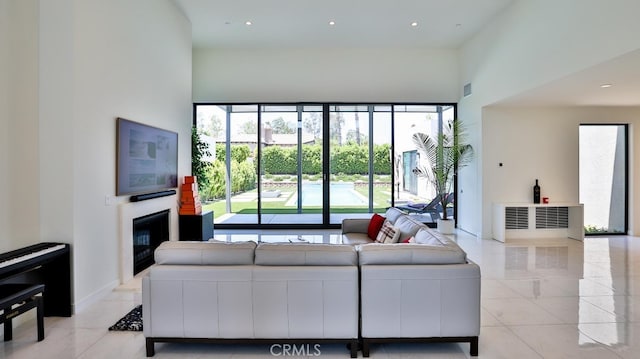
x: 349, y: 162
x: 412, y: 193
x: 291, y: 178
x: 311, y: 165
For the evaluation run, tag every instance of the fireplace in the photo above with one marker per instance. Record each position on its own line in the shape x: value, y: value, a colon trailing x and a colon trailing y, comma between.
x: 128, y: 211
x: 148, y: 232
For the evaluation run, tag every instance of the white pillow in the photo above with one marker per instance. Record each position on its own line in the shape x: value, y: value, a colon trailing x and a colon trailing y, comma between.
x: 388, y: 233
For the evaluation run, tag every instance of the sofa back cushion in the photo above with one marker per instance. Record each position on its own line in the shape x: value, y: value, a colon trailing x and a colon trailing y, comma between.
x: 393, y: 214
x: 305, y: 254
x: 205, y: 253
x: 428, y: 236
x: 408, y: 254
x: 408, y: 226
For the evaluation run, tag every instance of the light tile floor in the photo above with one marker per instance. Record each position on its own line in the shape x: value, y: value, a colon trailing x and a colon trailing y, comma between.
x: 544, y: 298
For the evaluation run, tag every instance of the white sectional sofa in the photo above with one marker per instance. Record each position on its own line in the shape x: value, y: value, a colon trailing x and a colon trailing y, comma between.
x: 427, y: 290
x: 300, y: 293
x: 418, y: 293
x: 240, y: 292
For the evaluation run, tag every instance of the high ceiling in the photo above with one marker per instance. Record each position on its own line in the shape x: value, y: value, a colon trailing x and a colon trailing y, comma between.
x: 388, y: 23
x: 358, y: 23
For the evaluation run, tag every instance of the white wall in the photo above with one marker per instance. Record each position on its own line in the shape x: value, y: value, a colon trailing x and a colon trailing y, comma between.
x: 56, y: 133
x: 531, y: 143
x: 543, y: 143
x: 5, y: 71
x: 86, y: 63
x: 133, y: 60
x: 18, y: 124
x: 319, y: 75
x: 530, y: 44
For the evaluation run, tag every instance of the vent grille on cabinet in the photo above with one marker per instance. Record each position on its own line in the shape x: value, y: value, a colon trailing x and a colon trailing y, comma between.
x: 552, y: 217
x: 516, y: 217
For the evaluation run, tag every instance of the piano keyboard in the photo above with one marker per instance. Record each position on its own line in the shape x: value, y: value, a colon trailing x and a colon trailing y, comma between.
x: 47, y: 263
x: 22, y: 258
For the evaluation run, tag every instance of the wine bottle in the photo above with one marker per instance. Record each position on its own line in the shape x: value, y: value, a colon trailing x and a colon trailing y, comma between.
x: 536, y: 193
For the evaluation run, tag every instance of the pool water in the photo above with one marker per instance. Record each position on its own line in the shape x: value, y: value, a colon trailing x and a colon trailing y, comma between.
x: 342, y: 194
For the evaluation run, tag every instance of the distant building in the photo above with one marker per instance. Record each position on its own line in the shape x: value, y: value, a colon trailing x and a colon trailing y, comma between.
x: 267, y: 138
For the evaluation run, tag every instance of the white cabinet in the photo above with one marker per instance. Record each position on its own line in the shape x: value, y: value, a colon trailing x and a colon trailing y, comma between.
x: 528, y: 220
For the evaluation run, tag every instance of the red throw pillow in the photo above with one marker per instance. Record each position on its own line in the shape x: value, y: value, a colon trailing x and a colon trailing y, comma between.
x: 407, y: 240
x: 374, y: 226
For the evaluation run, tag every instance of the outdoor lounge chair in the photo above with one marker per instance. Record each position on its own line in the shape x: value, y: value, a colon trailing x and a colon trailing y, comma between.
x: 433, y: 208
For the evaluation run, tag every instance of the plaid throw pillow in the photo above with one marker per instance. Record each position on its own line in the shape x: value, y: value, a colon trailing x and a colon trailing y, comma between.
x: 388, y: 233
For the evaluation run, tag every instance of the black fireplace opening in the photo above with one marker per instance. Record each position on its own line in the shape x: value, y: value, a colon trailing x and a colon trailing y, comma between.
x: 148, y: 232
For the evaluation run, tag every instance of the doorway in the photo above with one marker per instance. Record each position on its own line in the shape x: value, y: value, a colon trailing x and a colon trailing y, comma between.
x: 603, y: 178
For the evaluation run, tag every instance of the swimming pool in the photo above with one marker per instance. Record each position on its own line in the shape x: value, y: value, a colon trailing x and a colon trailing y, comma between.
x: 342, y: 194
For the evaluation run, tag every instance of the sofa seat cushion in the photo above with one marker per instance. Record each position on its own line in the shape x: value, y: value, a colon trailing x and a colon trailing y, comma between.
x: 205, y: 253
x: 355, y: 238
x: 305, y: 254
x: 406, y: 254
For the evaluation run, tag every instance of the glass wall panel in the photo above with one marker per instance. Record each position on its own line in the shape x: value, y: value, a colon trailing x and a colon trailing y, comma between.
x: 291, y: 183
x: 230, y: 189
x: 412, y: 193
x: 311, y: 168
x: 349, y: 162
x: 382, y: 159
x: 411, y: 190
x: 211, y: 122
x: 241, y: 152
x: 279, y: 179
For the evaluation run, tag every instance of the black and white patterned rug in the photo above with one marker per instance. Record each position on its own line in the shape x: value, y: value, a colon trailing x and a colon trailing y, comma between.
x: 130, y: 322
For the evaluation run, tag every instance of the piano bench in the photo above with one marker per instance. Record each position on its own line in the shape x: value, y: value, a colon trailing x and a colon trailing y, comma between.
x: 24, y: 297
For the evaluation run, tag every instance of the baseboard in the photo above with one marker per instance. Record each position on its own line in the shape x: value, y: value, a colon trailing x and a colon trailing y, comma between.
x: 94, y: 297
x: 468, y: 232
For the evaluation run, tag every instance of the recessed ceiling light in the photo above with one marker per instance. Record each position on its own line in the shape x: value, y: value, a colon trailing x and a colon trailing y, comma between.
x: 248, y: 23
x: 414, y: 24
x: 605, y: 86
x: 332, y: 22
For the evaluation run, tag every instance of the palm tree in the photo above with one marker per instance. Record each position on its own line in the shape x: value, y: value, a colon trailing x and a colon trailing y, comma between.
x: 445, y: 153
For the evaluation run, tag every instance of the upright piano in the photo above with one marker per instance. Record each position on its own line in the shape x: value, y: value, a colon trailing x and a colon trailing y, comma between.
x: 45, y: 263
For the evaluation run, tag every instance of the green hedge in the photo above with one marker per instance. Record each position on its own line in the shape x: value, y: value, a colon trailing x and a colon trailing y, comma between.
x: 240, y: 153
x: 350, y: 159
x: 216, y: 179
x: 243, y: 178
x: 279, y: 160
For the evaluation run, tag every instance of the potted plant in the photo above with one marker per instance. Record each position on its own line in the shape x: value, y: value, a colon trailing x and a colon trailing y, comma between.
x: 444, y: 153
